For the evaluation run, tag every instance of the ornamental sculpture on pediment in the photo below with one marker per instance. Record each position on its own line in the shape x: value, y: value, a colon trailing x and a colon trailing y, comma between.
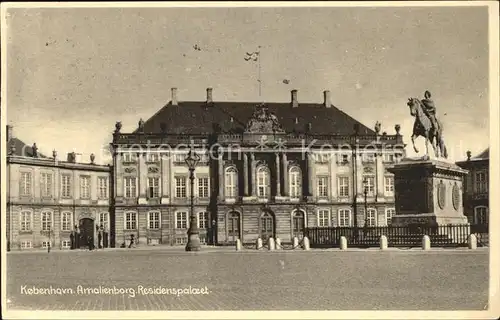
x: 129, y: 170
x: 153, y: 170
x: 263, y: 121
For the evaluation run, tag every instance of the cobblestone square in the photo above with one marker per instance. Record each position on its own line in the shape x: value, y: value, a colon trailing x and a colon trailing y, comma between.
x: 249, y: 280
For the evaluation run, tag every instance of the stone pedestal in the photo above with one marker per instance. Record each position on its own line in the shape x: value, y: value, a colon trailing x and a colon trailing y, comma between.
x: 428, y: 192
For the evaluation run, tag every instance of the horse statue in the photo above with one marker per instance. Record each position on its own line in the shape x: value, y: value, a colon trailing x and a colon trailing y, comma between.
x: 423, y: 128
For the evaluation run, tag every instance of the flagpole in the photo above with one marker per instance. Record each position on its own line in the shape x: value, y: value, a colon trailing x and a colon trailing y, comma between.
x: 259, y: 80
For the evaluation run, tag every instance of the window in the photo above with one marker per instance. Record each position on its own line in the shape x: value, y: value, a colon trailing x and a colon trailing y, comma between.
x: 231, y: 182
x: 180, y: 187
x: 181, y: 240
x: 46, y: 184
x: 481, y: 215
x: 130, y: 221
x: 25, y: 187
x: 103, y: 220
x: 263, y: 182
x: 46, y: 220
x: 66, y: 244
x: 389, y: 157
x: 180, y: 157
x: 130, y: 187
x: 322, y: 157
x: 129, y: 157
x: 343, y: 187
x: 46, y: 244
x: 84, y: 187
x: 323, y: 218
x: 103, y: 187
x: 371, y: 217
x: 203, y: 220
x: 368, y: 157
x: 323, y: 187
x: 369, y: 185
x: 181, y: 221
x: 295, y: 182
x: 344, y: 218
x: 203, y: 187
x: 389, y: 213
x: 481, y: 182
x: 343, y: 158
x: 26, y: 245
x: 153, y: 187
x: 66, y: 186
x: 154, y: 220
x: 389, y: 185
x: 66, y: 221
x: 204, y: 157
x: 25, y: 220
x: 152, y: 157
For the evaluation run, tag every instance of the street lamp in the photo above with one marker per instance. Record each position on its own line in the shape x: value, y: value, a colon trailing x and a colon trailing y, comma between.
x: 193, y: 233
x: 365, y: 187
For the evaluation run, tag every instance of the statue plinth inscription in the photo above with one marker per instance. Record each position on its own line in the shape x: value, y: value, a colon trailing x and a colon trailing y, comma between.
x: 428, y: 192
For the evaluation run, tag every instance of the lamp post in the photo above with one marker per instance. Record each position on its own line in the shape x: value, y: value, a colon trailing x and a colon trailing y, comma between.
x: 354, y: 149
x: 193, y: 232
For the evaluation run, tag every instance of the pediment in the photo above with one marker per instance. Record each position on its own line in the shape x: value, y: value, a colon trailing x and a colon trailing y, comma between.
x: 263, y: 121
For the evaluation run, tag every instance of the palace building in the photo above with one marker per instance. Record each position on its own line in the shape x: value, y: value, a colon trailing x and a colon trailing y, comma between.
x: 266, y: 170
x: 55, y: 203
x: 476, y: 187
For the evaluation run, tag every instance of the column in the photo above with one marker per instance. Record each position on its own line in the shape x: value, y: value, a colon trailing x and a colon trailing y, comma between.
x: 221, y: 175
x: 310, y: 174
x: 332, y: 178
x: 285, y: 174
x: 359, y: 174
x: 379, y: 170
x: 171, y: 176
x: 143, y: 175
x: 278, y: 176
x: 245, y: 173
x: 164, y: 168
x: 253, y: 173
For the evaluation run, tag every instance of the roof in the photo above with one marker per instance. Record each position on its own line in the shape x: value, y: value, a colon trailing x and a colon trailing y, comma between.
x: 22, y: 149
x: 483, y: 155
x: 198, y: 117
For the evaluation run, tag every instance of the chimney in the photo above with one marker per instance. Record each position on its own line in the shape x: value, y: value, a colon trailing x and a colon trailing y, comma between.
x: 72, y: 157
x: 327, y: 100
x: 295, y: 102
x: 9, y: 132
x: 174, y: 96
x: 209, y: 95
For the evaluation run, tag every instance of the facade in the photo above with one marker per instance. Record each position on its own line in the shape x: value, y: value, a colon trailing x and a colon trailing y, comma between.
x: 476, y: 187
x: 54, y: 202
x: 266, y: 170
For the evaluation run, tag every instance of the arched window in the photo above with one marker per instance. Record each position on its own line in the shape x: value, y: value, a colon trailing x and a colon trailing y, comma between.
x: 389, y: 213
x: 481, y: 215
x: 298, y: 223
x: 231, y: 182
x: 295, y: 180
x: 266, y: 226
x: 233, y: 226
x: 66, y: 221
x: 344, y: 218
x: 263, y: 182
x: 371, y: 217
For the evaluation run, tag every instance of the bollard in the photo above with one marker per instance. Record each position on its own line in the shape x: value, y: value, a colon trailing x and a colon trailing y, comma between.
x: 426, y: 242
x: 259, y: 244
x: 472, y: 241
x: 270, y: 244
x: 383, y: 242
x: 306, y: 243
x: 343, y: 243
x: 238, y: 245
x: 295, y: 242
x: 278, y: 244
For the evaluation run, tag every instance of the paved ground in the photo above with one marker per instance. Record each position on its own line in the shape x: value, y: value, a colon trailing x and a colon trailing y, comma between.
x: 250, y: 280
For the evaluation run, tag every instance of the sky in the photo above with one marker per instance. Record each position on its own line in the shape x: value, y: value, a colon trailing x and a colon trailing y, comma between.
x: 73, y: 72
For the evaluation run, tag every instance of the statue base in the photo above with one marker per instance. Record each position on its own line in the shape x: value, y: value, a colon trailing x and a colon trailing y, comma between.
x: 428, y: 192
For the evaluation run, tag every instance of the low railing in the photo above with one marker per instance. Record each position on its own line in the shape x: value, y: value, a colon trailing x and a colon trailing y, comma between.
x: 401, y: 236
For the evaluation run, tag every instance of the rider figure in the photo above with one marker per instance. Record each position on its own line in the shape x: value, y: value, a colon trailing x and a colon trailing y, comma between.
x: 430, y: 109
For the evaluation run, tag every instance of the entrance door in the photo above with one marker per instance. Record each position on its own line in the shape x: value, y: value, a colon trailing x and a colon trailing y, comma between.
x: 234, y: 227
x: 298, y: 224
x: 86, y: 232
x: 266, y: 226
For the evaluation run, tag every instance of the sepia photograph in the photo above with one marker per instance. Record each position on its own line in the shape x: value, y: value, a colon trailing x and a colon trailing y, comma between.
x: 249, y: 160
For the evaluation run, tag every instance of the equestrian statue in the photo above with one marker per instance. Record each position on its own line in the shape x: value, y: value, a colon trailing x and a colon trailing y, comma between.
x: 427, y: 125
